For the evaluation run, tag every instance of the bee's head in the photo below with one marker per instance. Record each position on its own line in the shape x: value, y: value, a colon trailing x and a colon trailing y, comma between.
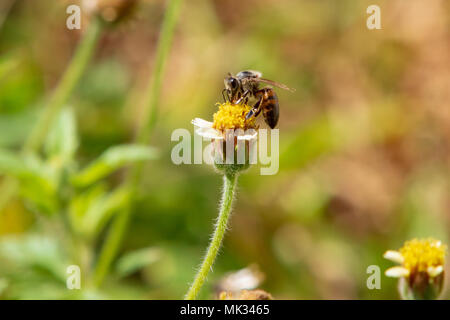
x: 232, y: 84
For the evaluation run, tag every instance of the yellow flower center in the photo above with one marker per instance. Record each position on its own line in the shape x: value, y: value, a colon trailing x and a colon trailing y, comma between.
x: 232, y: 116
x: 420, y: 254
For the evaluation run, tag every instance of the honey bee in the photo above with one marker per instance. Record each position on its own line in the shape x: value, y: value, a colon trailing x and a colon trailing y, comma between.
x: 246, y: 84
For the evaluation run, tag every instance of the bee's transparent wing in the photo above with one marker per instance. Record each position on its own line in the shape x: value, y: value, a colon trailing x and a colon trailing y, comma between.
x: 276, y: 84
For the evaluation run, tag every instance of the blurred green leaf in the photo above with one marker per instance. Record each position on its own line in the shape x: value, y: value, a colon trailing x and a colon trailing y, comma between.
x: 111, y: 160
x: 17, y: 126
x: 91, y: 210
x: 62, y: 140
x: 135, y: 260
x: 36, y: 179
x: 12, y: 164
x: 33, y: 251
x: 39, y: 186
x: 80, y: 204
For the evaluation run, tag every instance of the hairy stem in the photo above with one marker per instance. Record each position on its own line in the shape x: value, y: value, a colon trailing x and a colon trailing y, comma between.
x: 120, y: 224
x: 229, y: 181
x: 56, y: 101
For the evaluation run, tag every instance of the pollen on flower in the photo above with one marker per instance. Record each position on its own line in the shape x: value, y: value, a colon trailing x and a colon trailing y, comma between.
x: 232, y: 116
x: 420, y: 254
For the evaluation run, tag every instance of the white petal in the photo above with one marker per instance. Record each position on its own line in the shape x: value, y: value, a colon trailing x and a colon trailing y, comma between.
x: 248, y: 278
x: 394, y: 256
x: 438, y: 244
x: 435, y: 271
x: 202, y: 123
x: 209, y: 133
x: 397, y: 272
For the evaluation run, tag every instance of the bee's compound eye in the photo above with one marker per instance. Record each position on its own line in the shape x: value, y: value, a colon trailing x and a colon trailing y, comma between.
x: 233, y: 83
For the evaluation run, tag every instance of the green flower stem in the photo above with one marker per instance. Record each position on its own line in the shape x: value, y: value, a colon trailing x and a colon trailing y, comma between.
x: 111, y: 245
x: 154, y: 87
x: 59, y: 97
x: 229, y: 181
x: 121, y: 220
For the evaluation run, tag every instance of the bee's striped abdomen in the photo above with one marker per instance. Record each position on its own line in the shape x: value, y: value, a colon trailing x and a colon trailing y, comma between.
x: 270, y: 107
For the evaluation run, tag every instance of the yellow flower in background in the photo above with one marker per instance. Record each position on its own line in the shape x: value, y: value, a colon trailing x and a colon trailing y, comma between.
x: 421, y: 269
x: 427, y: 255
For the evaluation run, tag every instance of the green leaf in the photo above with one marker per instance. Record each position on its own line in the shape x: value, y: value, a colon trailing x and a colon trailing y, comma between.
x: 34, y: 251
x: 39, y: 185
x: 62, y: 140
x: 12, y: 164
x: 91, y: 210
x: 111, y: 160
x: 80, y: 204
x: 135, y: 260
x: 17, y: 125
x: 36, y: 180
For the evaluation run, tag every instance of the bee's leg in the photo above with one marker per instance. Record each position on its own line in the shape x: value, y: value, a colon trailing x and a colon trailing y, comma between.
x: 255, y: 110
x: 258, y: 112
x: 244, y: 96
